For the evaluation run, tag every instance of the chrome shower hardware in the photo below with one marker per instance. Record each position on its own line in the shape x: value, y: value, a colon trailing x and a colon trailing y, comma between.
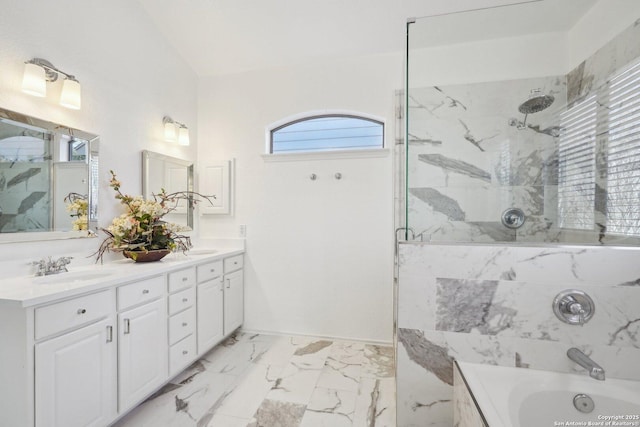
x: 595, y: 370
x: 513, y: 218
x: 573, y: 307
x: 536, y: 102
x: 583, y: 403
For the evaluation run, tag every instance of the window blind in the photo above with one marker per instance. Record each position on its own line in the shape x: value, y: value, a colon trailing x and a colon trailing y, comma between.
x: 599, y: 145
x: 622, y: 102
x: 325, y: 133
x: 576, y: 166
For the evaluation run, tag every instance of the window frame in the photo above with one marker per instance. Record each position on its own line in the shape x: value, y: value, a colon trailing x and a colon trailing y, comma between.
x: 311, y: 115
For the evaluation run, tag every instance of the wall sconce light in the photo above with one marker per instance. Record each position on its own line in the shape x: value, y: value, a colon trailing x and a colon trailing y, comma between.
x: 175, y: 131
x: 38, y: 71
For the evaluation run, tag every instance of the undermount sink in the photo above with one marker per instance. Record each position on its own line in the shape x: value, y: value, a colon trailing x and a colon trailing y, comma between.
x: 201, y: 251
x: 72, y: 277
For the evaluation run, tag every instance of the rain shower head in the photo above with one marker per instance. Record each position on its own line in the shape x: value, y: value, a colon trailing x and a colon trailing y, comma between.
x: 537, y: 102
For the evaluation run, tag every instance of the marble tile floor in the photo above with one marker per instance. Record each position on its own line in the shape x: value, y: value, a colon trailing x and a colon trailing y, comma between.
x: 256, y: 380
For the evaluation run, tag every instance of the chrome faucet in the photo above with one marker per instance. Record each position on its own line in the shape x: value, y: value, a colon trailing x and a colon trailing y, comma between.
x: 595, y: 370
x: 49, y: 266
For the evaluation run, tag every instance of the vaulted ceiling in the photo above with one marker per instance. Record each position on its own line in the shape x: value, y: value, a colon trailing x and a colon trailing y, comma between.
x: 230, y: 36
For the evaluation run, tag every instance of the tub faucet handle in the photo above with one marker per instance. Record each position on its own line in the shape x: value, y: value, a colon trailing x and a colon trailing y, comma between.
x: 573, y: 307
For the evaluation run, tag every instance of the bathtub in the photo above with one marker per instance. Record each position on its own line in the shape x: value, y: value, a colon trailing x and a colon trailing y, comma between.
x: 517, y: 397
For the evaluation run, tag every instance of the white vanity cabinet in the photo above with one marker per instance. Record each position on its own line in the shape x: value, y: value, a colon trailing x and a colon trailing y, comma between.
x: 182, y: 319
x: 142, y: 340
x: 74, y: 381
x: 210, y: 305
x: 233, y: 293
x: 85, y: 356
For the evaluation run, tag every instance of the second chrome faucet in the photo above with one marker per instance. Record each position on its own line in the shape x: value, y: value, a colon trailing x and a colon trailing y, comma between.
x: 595, y: 371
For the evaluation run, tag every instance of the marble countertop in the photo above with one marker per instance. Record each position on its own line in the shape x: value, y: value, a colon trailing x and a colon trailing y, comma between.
x: 26, y: 291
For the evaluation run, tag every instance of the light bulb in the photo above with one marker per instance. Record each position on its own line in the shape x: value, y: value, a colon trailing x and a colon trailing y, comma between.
x: 34, y: 80
x: 70, y: 96
x: 169, y: 131
x: 183, y: 136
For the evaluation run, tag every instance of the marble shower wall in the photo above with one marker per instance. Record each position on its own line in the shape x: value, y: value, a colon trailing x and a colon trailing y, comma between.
x: 17, y: 212
x: 469, y: 161
x: 493, y: 304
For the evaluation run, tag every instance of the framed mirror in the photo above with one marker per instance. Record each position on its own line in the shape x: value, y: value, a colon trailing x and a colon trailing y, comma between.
x: 171, y: 174
x: 48, y: 179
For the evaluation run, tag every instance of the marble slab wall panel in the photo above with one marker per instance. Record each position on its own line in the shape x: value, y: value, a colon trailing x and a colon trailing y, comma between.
x: 492, y: 304
x: 17, y: 211
x: 465, y: 412
x: 467, y: 163
x: 467, y: 137
x: 594, y: 71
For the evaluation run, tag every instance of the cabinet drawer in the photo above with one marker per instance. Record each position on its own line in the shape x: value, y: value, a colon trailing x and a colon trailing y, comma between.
x: 71, y: 313
x: 181, y: 354
x: 181, y: 325
x: 233, y: 263
x: 182, y: 279
x: 209, y: 271
x: 139, y: 292
x: 181, y: 300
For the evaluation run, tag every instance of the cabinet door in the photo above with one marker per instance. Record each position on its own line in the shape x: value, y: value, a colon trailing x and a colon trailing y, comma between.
x: 142, y: 353
x: 75, y: 378
x: 210, y: 309
x: 233, y: 301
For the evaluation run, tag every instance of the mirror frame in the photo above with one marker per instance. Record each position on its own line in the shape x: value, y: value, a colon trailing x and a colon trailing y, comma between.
x: 92, y: 179
x: 147, y: 193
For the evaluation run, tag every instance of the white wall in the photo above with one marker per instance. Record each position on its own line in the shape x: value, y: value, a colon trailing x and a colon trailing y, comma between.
x: 605, y: 20
x: 319, y: 253
x: 130, y: 79
x: 536, y: 55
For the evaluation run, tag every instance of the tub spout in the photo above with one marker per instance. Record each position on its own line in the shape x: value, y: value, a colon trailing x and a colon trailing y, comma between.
x: 595, y: 370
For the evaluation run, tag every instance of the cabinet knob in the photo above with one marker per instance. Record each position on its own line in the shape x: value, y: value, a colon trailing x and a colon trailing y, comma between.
x: 184, y: 279
x: 213, y: 270
x: 184, y: 323
x: 145, y: 291
x: 185, y: 299
x: 185, y: 352
x: 82, y: 310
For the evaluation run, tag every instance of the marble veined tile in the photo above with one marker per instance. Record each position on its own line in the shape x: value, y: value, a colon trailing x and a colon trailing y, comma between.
x: 379, y: 361
x: 376, y: 403
x: 465, y: 412
x: 341, y: 375
x: 221, y: 420
x: 439, y: 202
x: 330, y: 408
x: 184, y: 401
x: 242, y: 355
x: 523, y: 309
x: 272, y: 413
x: 324, y: 419
x: 243, y: 400
x: 281, y: 350
x: 295, y: 384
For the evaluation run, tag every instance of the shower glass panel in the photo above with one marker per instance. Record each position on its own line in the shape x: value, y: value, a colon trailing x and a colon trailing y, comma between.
x: 508, y: 141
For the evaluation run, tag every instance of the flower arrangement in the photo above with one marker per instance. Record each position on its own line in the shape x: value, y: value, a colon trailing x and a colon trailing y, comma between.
x: 140, y: 228
x: 78, y: 206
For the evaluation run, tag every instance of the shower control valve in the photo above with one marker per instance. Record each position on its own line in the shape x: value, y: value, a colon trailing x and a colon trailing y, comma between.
x: 573, y: 307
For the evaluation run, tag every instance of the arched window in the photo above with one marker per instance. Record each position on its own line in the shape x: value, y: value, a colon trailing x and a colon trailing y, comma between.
x: 331, y: 132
